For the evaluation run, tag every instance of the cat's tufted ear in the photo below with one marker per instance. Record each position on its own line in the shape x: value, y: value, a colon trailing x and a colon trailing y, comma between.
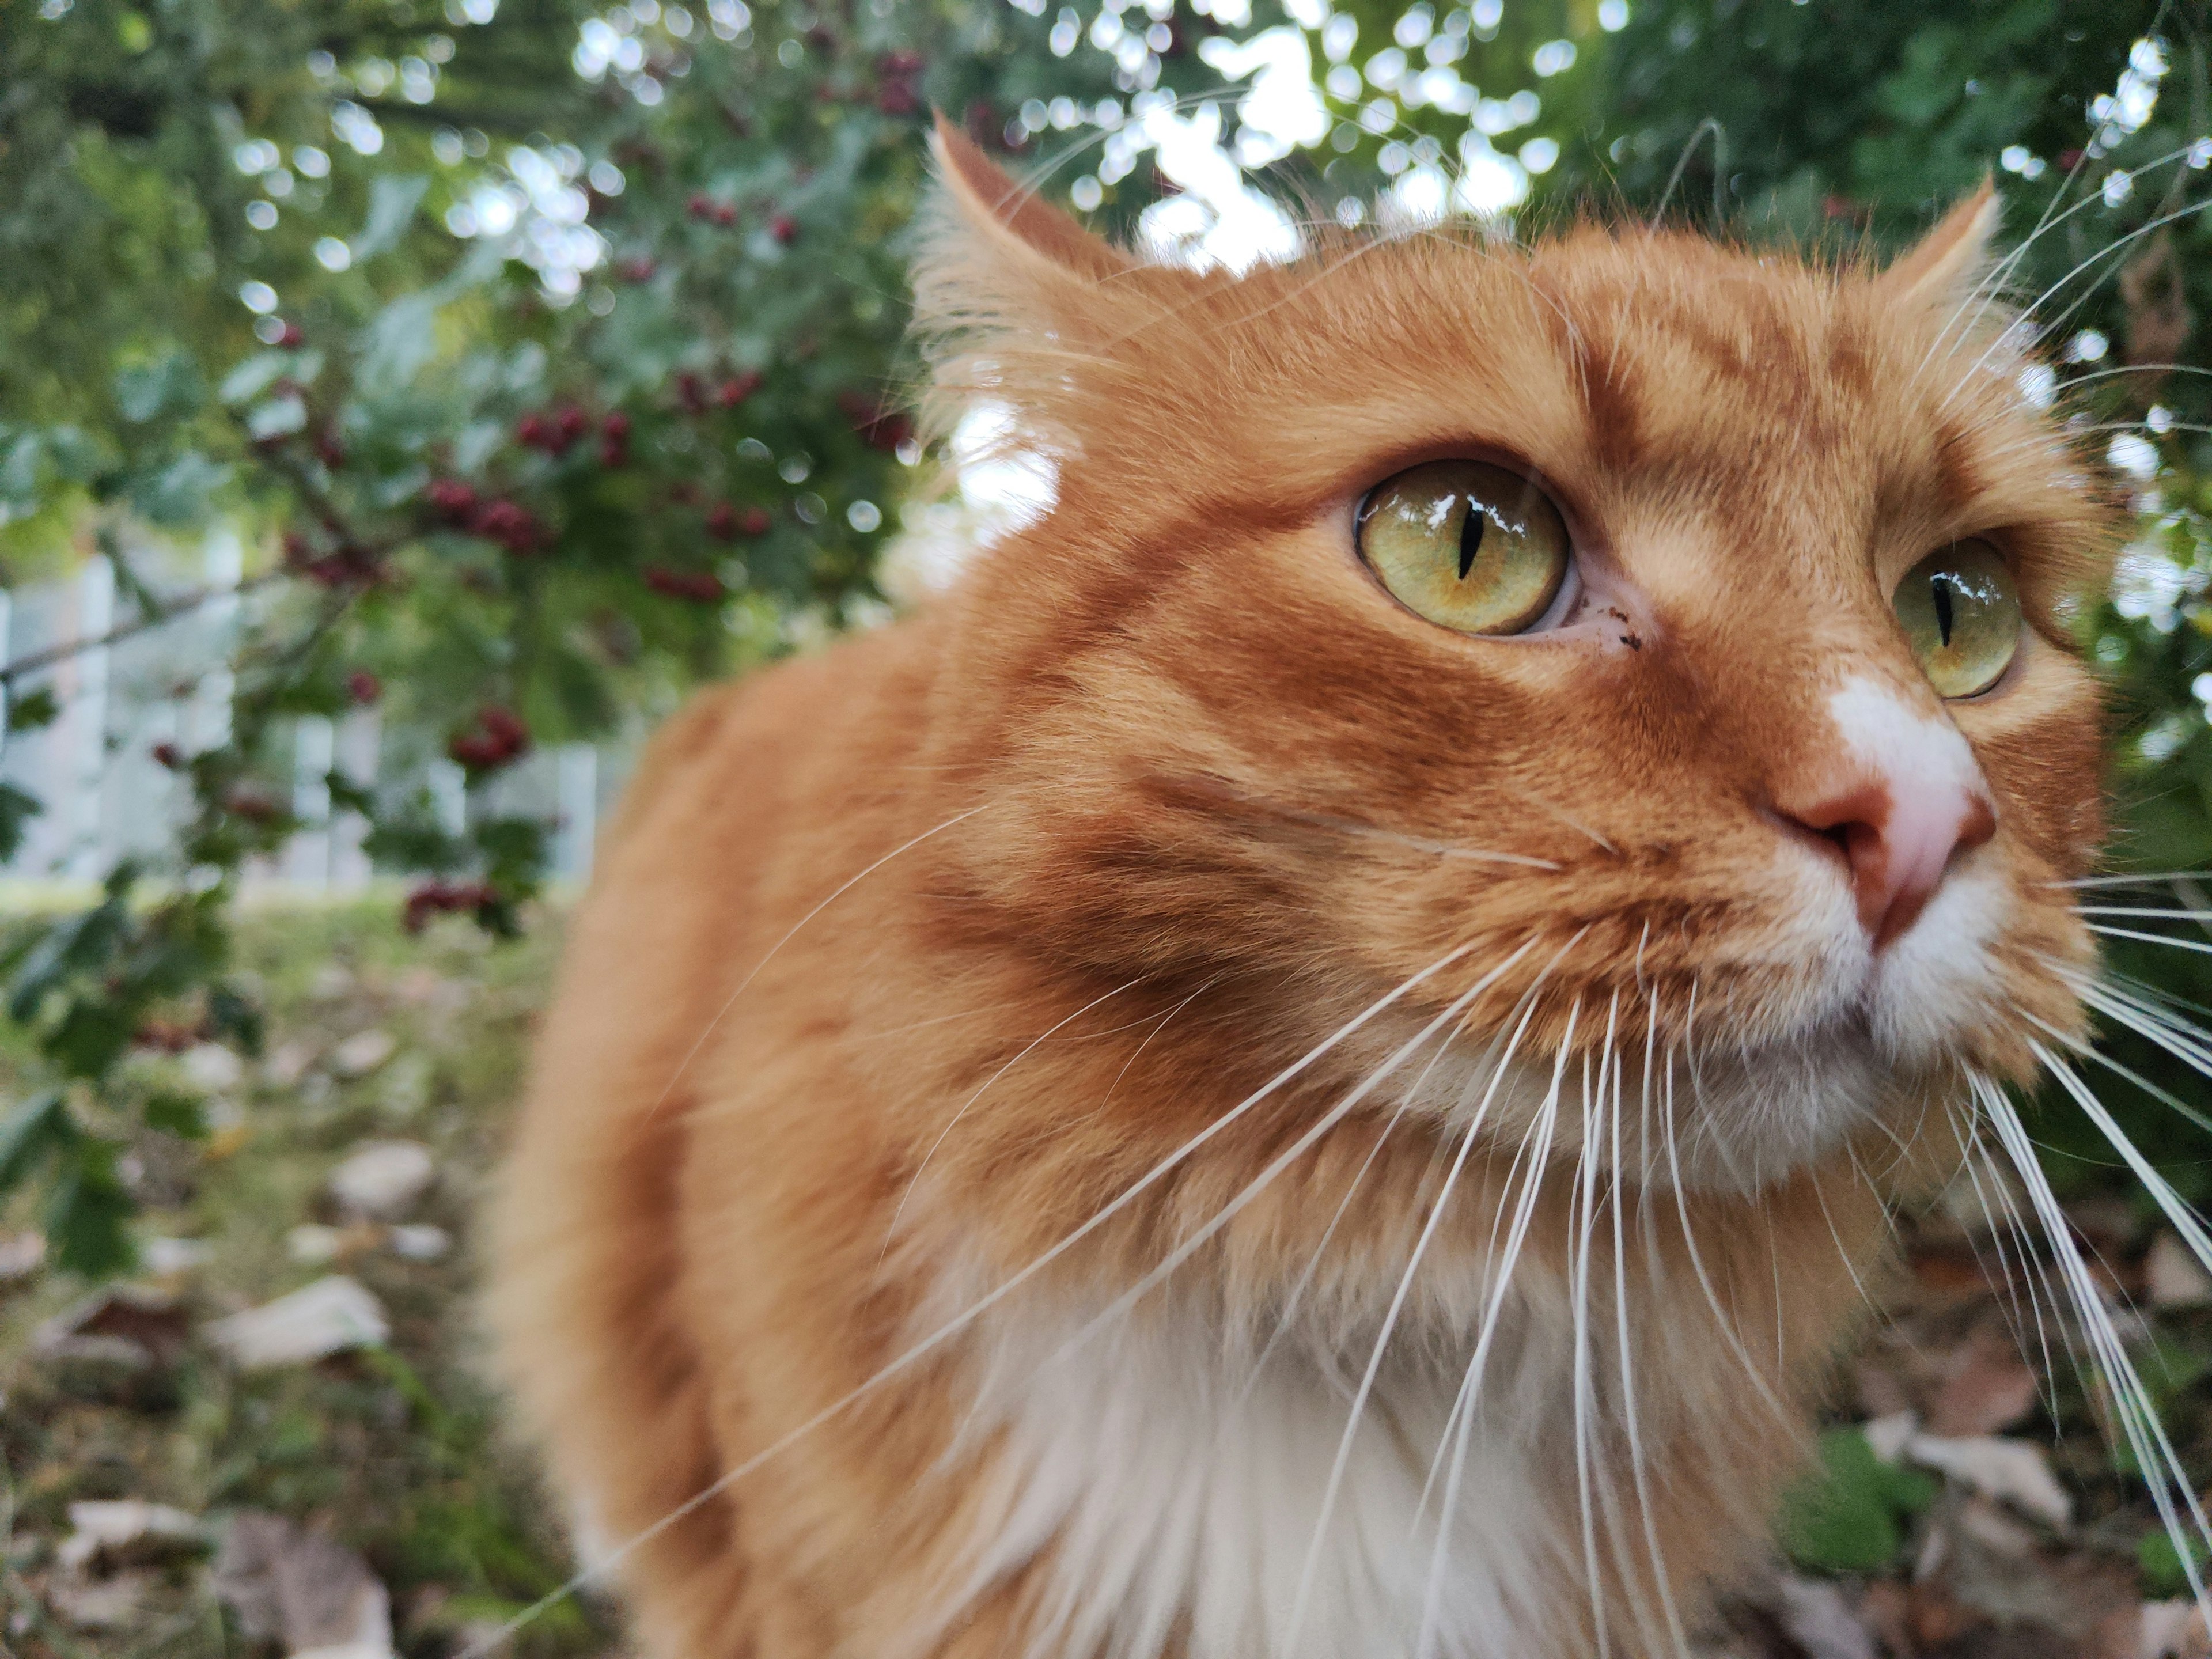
x: 1019, y: 223
x: 1947, y: 263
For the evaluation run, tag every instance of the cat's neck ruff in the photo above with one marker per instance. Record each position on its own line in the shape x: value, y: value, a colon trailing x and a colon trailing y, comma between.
x: 1176, y: 1483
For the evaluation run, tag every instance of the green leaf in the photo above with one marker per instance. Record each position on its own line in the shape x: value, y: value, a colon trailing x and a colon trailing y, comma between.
x: 1844, y: 1516
x: 39, y: 1125
x: 181, y: 492
x: 147, y: 391
x: 178, y: 1115
x: 88, y: 1216
x: 255, y: 376
x: 392, y: 199
x: 17, y: 806
x: 2161, y: 1563
x: 35, y: 710
x: 234, y: 1016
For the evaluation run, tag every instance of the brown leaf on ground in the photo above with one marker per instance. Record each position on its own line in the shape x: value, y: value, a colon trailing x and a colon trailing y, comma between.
x: 133, y: 1324
x: 1987, y: 1387
x: 2173, y: 1276
x: 286, y: 1583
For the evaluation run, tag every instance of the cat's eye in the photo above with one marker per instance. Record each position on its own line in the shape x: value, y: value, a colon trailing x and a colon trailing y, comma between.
x: 1469, y: 546
x: 1961, y: 617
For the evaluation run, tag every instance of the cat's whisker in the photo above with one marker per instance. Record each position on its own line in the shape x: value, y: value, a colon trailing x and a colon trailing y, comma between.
x: 2039, y: 1278
x: 1580, y: 1222
x: 1720, y: 1321
x: 1114, y: 1311
x: 1436, y: 1213
x: 2044, y: 329
x: 2152, y: 878
x: 2155, y: 1458
x: 1533, y: 1145
x: 1992, y: 282
x: 843, y: 888
x: 1968, y: 1138
x: 2200, y: 946
x: 1638, y: 1474
x: 898, y: 1212
x: 494, y: 1640
x: 2153, y: 912
x: 1396, y: 837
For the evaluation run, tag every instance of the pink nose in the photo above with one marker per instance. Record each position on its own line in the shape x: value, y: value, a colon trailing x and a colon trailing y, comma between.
x: 1897, y: 841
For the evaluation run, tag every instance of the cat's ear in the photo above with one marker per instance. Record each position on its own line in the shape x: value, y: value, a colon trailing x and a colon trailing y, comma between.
x: 1017, y: 304
x: 1013, y: 219
x: 1950, y: 261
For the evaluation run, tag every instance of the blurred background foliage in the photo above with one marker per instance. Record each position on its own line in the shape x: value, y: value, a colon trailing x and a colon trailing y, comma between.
x: 547, y: 355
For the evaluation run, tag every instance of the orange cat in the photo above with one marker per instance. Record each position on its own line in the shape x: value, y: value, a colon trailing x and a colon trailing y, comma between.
x: 1309, y: 1065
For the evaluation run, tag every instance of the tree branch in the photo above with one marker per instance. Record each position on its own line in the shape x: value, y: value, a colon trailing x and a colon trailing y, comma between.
x: 46, y: 656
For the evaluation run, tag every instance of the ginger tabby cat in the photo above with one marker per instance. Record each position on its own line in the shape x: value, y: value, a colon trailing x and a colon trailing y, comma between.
x: 1307, y: 1065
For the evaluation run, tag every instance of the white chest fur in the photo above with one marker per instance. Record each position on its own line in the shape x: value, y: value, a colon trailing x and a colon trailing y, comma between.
x: 1181, y: 1496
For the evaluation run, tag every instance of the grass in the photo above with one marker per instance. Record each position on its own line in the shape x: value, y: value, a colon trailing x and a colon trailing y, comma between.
x: 397, y: 1452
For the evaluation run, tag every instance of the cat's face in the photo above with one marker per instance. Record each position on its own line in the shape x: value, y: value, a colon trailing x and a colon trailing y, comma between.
x: 1653, y: 746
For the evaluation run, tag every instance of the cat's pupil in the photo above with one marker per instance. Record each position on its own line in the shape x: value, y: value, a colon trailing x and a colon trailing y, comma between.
x: 1470, y: 543
x: 1942, y: 596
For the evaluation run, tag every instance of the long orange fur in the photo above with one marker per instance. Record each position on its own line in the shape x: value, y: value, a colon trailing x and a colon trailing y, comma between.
x: 909, y: 960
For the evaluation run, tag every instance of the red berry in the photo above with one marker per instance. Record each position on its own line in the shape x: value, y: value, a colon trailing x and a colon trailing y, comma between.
x: 453, y: 500
x: 570, y: 423
x: 726, y: 214
x: 289, y: 336
x: 616, y: 426
x: 514, y: 527
x: 635, y: 269
x: 691, y: 393
x: 497, y: 736
x: 701, y: 206
x: 735, y: 390
x: 440, y: 897
x: 363, y: 687
x: 753, y: 521
x: 168, y: 754
x: 700, y: 586
x: 783, y: 228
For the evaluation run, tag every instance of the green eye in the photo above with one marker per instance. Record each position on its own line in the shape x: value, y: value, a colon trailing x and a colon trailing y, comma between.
x: 1961, y: 616
x: 1470, y: 547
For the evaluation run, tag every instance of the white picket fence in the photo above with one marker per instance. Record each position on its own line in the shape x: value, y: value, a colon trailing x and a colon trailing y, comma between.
x: 106, y: 796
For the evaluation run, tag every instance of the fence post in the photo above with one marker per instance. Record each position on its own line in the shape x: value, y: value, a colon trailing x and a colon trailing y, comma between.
x: 314, y: 745
x: 576, y: 785
x: 88, y: 717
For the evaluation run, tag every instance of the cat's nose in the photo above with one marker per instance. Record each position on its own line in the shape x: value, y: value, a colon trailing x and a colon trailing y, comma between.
x: 1908, y: 801
x: 1897, y: 843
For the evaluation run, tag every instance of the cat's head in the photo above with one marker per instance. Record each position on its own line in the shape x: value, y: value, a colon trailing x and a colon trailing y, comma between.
x: 1673, y: 631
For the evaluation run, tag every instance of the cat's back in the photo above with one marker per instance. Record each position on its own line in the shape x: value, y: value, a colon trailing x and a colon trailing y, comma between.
x: 741, y: 802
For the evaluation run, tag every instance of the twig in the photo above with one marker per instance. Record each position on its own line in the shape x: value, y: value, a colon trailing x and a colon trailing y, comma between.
x: 46, y: 656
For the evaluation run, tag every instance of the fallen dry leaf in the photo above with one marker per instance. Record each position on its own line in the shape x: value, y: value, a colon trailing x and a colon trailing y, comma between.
x: 1985, y: 1387
x: 382, y: 1179
x: 1820, y: 1620
x: 362, y: 1053
x: 2014, y: 1472
x: 119, y: 1532
x: 2173, y: 1276
x: 124, y: 1327
x: 286, y: 1583
x: 328, y: 1316
x: 2171, y: 1630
